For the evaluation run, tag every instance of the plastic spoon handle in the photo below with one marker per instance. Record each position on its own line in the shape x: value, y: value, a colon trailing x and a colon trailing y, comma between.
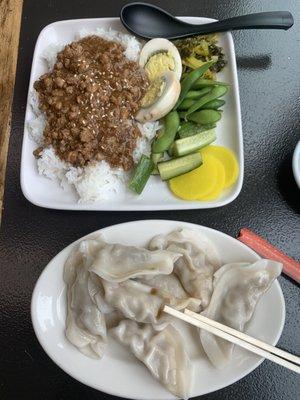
x: 264, y: 20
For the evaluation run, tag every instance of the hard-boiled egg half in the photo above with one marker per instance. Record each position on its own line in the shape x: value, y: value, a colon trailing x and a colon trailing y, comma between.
x: 162, y: 63
x: 160, y: 55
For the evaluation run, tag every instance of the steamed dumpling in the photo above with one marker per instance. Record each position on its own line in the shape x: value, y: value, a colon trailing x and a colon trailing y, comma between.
x: 96, y: 292
x: 82, y: 254
x: 85, y: 324
x: 170, y: 288
x: 113, y: 319
x: 237, y: 289
x: 198, y: 263
x: 134, y: 300
x: 161, y: 351
x: 117, y: 263
x: 165, y: 283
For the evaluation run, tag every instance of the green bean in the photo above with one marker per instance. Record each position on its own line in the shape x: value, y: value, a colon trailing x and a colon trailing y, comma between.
x: 203, y: 83
x: 190, y: 79
x: 186, y: 104
x: 191, y: 97
x: 156, y: 158
x: 182, y: 115
x: 215, y: 93
x: 205, y: 117
x: 195, y: 94
x: 213, y: 105
x: 166, y: 135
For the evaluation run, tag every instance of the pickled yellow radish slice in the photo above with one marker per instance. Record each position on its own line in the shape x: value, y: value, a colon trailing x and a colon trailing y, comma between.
x: 228, y: 159
x: 197, y: 183
x: 219, y: 186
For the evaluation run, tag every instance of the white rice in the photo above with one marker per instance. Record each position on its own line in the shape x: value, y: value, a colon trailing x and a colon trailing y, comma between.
x: 36, y: 127
x: 50, y: 54
x: 131, y: 44
x: 98, y: 181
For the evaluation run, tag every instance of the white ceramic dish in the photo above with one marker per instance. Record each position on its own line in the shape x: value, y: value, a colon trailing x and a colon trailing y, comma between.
x: 119, y: 373
x: 45, y: 193
x: 296, y: 164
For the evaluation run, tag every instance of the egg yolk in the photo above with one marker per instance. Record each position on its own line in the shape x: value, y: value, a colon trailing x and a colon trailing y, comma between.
x: 154, y: 91
x: 158, y: 64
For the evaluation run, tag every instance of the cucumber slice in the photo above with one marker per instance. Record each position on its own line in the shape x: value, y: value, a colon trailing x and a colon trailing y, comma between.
x: 178, y: 166
x: 141, y: 174
x: 191, y: 128
x: 190, y: 144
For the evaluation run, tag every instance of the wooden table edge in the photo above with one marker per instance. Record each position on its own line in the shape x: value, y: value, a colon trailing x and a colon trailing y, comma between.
x: 10, y: 17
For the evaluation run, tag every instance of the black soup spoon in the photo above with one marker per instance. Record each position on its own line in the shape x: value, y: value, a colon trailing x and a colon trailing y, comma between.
x: 148, y: 21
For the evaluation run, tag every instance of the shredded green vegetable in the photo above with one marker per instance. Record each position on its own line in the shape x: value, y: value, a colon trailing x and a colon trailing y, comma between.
x: 197, y: 50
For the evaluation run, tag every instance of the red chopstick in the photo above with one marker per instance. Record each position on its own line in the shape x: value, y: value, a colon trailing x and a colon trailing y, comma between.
x: 291, y: 267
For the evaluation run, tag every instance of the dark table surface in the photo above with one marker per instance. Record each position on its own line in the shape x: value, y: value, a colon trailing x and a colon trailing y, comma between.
x: 268, y: 69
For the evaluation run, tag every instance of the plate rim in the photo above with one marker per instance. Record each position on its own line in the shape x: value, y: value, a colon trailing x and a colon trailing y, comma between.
x: 39, y: 335
x: 296, y: 163
x: 108, y: 206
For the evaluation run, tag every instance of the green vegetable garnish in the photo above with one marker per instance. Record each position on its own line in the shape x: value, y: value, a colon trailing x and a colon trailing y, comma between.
x: 195, y: 94
x: 215, y: 93
x: 190, y: 144
x: 190, y: 79
x: 141, y: 174
x: 204, y: 83
x: 213, y: 105
x: 166, y: 135
x: 156, y: 157
x: 201, y: 48
x: 205, y: 117
x: 190, y: 128
x: 178, y: 166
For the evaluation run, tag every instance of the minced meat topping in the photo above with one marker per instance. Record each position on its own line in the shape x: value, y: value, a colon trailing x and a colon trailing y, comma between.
x: 90, y: 100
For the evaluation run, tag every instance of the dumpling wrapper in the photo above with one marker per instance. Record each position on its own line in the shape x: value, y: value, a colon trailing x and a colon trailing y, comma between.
x: 113, y: 319
x: 82, y: 254
x: 118, y: 263
x: 96, y: 291
x: 85, y: 324
x: 237, y: 290
x: 198, y: 263
x: 162, y: 351
x: 170, y: 288
x: 128, y: 299
x: 134, y: 300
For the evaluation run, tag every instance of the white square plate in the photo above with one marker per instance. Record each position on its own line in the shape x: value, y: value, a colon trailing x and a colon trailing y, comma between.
x: 156, y: 196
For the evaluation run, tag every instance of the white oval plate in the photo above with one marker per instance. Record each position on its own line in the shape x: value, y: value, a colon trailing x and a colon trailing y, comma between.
x: 296, y: 164
x: 156, y: 196
x: 119, y: 373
